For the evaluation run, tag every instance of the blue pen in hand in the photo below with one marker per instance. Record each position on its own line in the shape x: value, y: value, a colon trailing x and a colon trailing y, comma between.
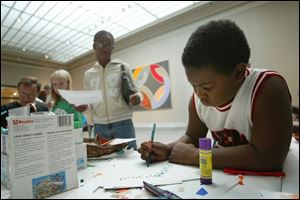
x: 152, y: 138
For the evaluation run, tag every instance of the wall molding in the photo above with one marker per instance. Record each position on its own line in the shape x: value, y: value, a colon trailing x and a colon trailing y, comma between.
x: 161, y: 125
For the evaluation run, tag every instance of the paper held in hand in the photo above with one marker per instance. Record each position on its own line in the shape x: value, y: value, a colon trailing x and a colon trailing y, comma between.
x: 81, y: 97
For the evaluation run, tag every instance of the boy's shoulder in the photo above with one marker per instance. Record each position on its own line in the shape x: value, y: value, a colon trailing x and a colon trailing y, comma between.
x: 265, y: 80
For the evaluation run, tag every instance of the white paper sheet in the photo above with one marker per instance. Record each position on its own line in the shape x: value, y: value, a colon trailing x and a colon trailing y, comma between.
x: 125, y: 175
x: 81, y: 97
x: 121, y: 140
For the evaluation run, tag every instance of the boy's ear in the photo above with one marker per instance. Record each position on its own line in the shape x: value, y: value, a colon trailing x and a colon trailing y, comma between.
x: 240, y: 71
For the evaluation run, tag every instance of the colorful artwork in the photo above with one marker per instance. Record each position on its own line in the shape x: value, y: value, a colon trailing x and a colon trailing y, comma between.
x: 46, y: 186
x: 155, y: 85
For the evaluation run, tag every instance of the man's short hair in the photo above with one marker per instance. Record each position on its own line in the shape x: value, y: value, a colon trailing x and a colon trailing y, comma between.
x: 29, y: 81
x: 103, y: 33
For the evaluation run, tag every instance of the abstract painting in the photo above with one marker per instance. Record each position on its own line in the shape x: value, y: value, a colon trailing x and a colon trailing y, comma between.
x: 154, y: 83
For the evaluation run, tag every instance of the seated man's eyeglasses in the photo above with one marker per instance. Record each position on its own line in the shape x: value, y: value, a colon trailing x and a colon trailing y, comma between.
x: 30, y: 96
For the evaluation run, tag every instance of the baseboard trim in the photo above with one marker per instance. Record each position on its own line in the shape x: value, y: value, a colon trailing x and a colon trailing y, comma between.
x: 163, y: 125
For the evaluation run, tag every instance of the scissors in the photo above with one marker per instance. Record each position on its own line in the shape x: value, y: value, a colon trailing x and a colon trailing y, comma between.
x: 159, y: 192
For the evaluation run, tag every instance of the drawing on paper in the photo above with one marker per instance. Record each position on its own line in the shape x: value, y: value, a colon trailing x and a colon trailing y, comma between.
x: 160, y: 173
x: 165, y: 169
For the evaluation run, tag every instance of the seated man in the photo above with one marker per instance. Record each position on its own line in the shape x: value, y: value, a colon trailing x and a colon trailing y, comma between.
x: 27, y: 89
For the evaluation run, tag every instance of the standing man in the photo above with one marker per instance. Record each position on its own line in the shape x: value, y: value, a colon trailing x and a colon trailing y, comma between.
x: 112, y: 116
x: 28, y: 91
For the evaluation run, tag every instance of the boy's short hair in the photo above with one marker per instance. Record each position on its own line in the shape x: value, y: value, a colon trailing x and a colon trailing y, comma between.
x: 221, y: 44
x: 29, y: 81
x: 103, y: 33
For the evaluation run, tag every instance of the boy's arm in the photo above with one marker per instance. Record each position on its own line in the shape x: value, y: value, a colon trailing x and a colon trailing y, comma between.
x: 271, y: 132
x: 195, y: 128
x: 185, y: 149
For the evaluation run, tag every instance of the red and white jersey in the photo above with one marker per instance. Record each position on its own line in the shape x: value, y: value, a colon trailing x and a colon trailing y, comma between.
x: 231, y: 124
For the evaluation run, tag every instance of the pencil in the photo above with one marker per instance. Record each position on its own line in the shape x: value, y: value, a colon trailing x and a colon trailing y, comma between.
x: 152, y: 138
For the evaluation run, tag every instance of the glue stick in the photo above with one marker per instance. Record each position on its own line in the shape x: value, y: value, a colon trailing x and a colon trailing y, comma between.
x: 205, y: 161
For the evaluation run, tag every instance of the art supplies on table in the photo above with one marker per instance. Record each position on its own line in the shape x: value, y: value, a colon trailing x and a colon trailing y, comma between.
x: 159, y: 192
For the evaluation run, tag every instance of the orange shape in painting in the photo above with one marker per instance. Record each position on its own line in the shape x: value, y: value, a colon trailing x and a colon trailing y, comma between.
x: 146, y: 102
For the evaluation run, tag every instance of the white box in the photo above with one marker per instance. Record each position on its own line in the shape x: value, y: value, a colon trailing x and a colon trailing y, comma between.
x: 78, y: 135
x: 42, y: 157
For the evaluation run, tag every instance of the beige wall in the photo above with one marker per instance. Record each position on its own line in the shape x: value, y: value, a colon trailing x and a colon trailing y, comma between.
x: 11, y: 73
x: 272, y: 29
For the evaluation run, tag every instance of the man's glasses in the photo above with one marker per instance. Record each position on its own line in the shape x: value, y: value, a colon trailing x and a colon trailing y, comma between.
x: 101, y: 46
x: 30, y: 96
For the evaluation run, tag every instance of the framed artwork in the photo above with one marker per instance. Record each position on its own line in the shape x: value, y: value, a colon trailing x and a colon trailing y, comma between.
x: 154, y: 83
x: 9, y: 93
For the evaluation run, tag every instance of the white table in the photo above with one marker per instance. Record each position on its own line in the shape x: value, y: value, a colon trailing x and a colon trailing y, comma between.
x: 90, y: 177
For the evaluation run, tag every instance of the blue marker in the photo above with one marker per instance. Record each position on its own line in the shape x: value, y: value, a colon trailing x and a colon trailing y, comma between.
x: 152, y: 138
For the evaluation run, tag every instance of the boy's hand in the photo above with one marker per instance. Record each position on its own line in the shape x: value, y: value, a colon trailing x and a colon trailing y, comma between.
x: 183, y: 153
x: 158, y: 150
x: 81, y: 108
x: 135, y: 99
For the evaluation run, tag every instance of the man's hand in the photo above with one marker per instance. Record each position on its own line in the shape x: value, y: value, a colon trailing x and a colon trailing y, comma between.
x: 183, y: 153
x: 158, y: 150
x: 81, y: 108
x: 135, y: 99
